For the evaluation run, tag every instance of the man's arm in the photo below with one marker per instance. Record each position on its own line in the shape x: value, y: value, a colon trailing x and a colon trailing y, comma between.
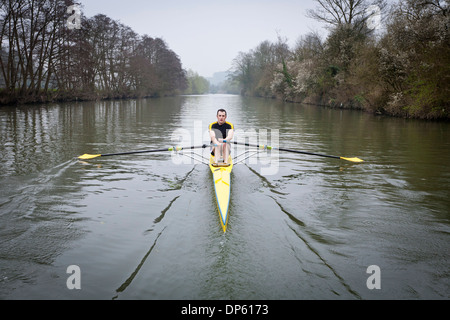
x: 230, y: 135
x: 212, y: 135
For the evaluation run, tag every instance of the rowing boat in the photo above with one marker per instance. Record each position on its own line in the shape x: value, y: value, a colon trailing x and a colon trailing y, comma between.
x: 221, y: 173
x: 222, y: 187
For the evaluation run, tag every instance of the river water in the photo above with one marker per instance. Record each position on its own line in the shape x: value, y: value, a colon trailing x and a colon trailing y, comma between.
x: 146, y: 226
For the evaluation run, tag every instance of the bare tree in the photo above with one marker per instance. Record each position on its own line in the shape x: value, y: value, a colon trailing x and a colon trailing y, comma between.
x: 28, y: 38
x: 41, y: 58
x: 345, y: 12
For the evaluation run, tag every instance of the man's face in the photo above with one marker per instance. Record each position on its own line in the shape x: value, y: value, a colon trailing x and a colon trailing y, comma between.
x: 221, y: 117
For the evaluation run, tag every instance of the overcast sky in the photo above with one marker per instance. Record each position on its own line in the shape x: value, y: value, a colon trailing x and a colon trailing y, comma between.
x: 208, y: 34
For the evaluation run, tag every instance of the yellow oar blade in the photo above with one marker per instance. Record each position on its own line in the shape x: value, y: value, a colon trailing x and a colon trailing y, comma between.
x: 89, y: 156
x: 352, y: 159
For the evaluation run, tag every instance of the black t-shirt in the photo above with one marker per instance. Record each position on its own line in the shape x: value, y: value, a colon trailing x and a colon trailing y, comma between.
x: 218, y: 129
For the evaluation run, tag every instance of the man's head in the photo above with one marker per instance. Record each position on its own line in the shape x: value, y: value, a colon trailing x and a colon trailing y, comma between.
x: 221, y: 116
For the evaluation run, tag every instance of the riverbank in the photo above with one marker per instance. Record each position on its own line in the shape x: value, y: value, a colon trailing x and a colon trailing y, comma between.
x: 54, y: 96
x: 356, y: 104
x: 329, y: 102
x: 401, y: 71
x: 103, y: 59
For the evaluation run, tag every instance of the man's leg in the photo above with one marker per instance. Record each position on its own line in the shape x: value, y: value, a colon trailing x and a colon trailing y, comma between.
x: 217, y: 154
x: 226, y: 152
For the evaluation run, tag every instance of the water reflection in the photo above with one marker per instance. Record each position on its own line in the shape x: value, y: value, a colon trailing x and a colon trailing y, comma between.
x: 307, y: 230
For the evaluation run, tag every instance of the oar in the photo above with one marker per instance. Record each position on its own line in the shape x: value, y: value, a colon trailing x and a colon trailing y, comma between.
x: 297, y: 151
x: 92, y: 156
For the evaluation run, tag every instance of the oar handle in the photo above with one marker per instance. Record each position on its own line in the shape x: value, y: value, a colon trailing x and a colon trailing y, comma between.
x: 224, y: 141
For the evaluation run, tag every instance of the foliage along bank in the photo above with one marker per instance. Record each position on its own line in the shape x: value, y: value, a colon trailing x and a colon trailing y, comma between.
x: 42, y: 59
x: 403, y: 71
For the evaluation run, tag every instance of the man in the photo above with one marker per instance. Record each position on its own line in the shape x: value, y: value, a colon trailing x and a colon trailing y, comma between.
x: 219, y: 131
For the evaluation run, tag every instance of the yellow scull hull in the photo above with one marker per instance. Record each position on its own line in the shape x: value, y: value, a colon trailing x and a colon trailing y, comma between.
x: 222, y: 187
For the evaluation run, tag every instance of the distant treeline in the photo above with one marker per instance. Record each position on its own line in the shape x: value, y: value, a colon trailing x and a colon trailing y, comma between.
x: 196, y: 83
x: 200, y: 85
x: 403, y: 70
x: 43, y: 59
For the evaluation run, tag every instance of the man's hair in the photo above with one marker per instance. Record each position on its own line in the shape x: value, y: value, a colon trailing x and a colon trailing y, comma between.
x: 221, y: 110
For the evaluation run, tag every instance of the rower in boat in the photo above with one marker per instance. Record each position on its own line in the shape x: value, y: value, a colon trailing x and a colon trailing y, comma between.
x: 221, y: 131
